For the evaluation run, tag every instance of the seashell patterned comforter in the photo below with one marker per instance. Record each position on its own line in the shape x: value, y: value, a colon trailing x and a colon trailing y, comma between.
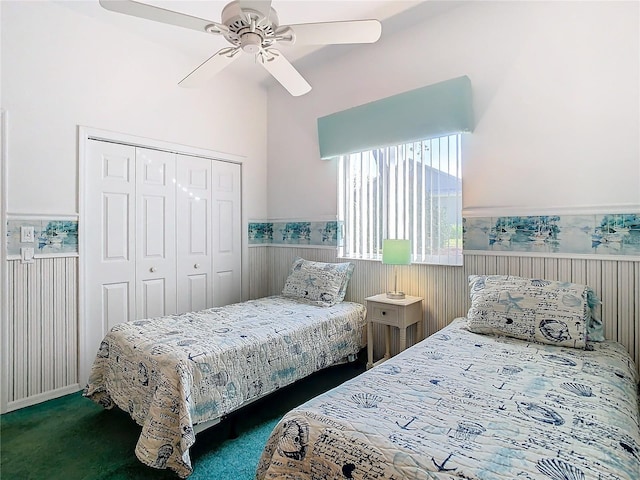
x: 174, y: 372
x: 461, y: 405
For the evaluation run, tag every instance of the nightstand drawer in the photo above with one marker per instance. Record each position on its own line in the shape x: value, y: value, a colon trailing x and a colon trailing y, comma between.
x: 387, y: 314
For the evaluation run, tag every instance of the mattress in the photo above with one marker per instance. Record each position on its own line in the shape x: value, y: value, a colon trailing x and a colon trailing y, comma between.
x: 175, y: 372
x: 465, y: 405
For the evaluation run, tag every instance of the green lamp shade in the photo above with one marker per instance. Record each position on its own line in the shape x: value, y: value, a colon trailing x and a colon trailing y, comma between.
x: 396, y: 252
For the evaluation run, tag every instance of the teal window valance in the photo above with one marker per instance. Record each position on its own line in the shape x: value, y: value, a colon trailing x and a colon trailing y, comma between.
x: 432, y: 111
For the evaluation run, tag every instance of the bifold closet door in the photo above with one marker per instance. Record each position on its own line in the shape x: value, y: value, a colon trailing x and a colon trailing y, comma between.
x: 155, y: 233
x: 227, y: 233
x: 163, y: 235
x: 130, y: 255
x: 110, y: 265
x: 194, y: 232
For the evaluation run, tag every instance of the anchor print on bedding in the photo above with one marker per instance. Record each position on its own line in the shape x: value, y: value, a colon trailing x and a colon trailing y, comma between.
x: 465, y: 405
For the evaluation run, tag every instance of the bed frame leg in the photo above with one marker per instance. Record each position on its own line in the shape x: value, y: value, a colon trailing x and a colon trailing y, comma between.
x: 233, y: 427
x: 352, y: 357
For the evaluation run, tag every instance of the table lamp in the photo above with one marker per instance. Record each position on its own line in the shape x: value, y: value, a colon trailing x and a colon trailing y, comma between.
x: 396, y: 252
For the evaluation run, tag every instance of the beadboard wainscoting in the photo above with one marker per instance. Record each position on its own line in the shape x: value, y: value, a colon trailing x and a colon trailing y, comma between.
x: 42, y: 330
x: 258, y: 271
x: 41, y: 335
x: 445, y: 290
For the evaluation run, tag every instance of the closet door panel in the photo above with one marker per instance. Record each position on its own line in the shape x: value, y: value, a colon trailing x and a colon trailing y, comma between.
x: 110, y: 240
x: 153, y: 224
x: 198, y: 293
x: 116, y: 229
x: 153, y: 291
x: 194, y: 226
x: 155, y: 233
x: 115, y: 302
x: 227, y: 238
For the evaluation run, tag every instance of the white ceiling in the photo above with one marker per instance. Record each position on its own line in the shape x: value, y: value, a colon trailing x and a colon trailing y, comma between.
x: 200, y: 46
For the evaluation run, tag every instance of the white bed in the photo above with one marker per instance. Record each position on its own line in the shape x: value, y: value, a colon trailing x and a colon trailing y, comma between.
x: 478, y: 406
x: 178, y: 373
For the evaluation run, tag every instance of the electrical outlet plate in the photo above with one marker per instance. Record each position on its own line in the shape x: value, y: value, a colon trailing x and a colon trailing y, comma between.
x: 26, y: 254
x: 27, y: 234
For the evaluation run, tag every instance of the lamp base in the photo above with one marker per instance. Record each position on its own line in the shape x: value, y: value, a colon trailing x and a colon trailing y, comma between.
x: 396, y: 295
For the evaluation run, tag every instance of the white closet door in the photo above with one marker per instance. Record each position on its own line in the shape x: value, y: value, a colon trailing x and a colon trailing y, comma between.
x: 227, y: 233
x: 193, y: 227
x: 110, y: 240
x: 155, y: 233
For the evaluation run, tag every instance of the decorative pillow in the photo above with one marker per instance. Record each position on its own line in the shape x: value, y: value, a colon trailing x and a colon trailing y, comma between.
x: 595, y: 329
x: 320, y: 283
x: 544, y: 311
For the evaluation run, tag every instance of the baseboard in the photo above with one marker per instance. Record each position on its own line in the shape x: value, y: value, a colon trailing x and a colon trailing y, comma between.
x: 42, y: 397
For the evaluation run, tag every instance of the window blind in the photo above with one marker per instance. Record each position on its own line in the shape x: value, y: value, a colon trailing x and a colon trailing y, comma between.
x: 410, y: 191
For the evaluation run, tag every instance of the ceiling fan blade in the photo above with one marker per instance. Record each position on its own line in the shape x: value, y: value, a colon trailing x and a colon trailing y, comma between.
x: 157, y: 14
x: 210, y: 67
x: 326, y: 33
x: 278, y: 66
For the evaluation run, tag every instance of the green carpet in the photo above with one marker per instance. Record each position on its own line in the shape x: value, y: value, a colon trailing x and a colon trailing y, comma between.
x: 73, y: 438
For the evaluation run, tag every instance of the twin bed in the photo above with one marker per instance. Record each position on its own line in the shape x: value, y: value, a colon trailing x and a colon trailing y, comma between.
x: 471, y: 406
x: 524, y: 387
x: 179, y: 374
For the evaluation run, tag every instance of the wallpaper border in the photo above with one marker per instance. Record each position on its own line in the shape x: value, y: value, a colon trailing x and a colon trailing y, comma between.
x: 604, y: 235
x: 54, y: 236
x: 299, y: 233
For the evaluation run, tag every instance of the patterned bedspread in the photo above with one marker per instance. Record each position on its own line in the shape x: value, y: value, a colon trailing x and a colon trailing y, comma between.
x: 464, y: 405
x: 174, y: 372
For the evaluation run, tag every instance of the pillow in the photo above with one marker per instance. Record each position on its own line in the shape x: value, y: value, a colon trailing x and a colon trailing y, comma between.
x: 595, y: 329
x: 320, y: 283
x: 543, y: 311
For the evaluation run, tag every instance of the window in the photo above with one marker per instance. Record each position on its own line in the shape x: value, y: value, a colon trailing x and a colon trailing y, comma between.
x: 411, y: 191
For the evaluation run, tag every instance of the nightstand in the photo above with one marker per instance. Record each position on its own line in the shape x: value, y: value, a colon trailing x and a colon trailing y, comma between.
x: 392, y: 313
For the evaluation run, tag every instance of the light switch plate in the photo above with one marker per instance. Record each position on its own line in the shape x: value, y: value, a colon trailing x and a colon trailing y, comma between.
x: 27, y: 234
x: 26, y: 254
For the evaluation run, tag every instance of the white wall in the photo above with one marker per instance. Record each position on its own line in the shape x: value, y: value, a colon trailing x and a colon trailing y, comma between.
x: 62, y: 68
x: 556, y: 100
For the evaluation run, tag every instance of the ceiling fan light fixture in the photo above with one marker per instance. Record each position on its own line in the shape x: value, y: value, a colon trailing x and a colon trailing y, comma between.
x: 250, y: 42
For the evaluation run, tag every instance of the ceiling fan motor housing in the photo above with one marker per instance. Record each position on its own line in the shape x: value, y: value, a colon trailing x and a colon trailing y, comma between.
x: 249, y: 29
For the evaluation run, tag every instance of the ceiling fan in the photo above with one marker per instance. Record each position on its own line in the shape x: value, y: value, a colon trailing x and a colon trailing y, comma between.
x: 252, y: 26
